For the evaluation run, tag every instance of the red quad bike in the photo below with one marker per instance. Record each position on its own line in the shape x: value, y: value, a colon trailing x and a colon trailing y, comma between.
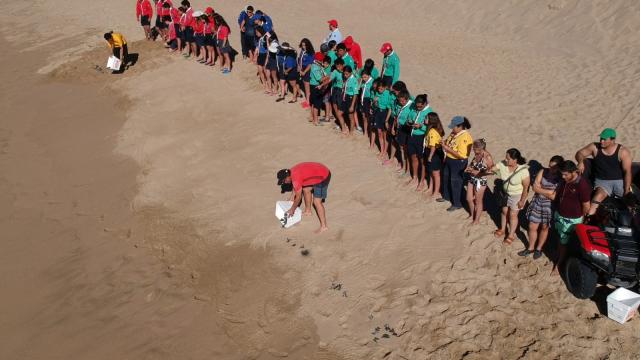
x: 607, y: 250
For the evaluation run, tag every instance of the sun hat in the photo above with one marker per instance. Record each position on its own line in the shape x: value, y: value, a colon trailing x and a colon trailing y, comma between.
x: 333, y: 22
x: 197, y: 13
x: 283, y: 174
x: 318, y: 56
x: 608, y: 133
x: 456, y: 121
x: 273, y: 47
x: 386, y: 47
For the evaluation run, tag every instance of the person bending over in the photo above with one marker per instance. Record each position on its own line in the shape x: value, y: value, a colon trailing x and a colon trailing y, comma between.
x: 308, y: 179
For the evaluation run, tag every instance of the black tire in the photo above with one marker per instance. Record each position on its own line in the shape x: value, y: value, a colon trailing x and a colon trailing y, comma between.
x: 581, y: 279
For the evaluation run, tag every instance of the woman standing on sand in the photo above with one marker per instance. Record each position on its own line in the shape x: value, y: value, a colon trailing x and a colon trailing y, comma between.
x: 222, y: 36
x: 515, y: 189
x: 209, y: 36
x: 540, y: 211
x: 435, y: 155
x: 304, y: 61
x: 477, y: 172
x: 457, y: 147
x: 261, y: 58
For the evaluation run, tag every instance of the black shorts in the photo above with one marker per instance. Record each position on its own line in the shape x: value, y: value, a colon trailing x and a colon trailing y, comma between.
x: 336, y: 97
x: 262, y: 59
x: 224, y: 47
x: 364, y: 106
x: 402, y: 135
x: 306, y: 77
x: 292, y: 75
x: 188, y: 34
x: 346, y: 104
x: 415, y: 145
x: 200, y: 40
x: 272, y: 64
x: 144, y: 20
x: 179, y: 33
x: 249, y: 41
x: 316, y: 98
x: 436, y: 161
x: 160, y: 23
x: 379, y: 119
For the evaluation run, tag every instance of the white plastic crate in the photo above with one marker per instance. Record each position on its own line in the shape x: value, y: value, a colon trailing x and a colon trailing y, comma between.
x: 622, y: 305
x: 281, y: 208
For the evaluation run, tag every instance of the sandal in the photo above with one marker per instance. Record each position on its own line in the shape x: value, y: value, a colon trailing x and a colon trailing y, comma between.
x: 498, y: 233
x: 525, y: 252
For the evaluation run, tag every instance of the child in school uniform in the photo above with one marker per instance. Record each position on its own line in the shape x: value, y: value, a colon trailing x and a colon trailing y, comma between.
x: 337, y: 81
x: 404, y: 114
x: 390, y: 64
x: 176, y: 18
x: 435, y: 155
x: 326, y: 99
x: 209, y: 37
x: 415, y: 143
x: 382, y: 103
x: 341, y: 51
x: 222, y: 39
x: 271, y: 68
x: 198, y: 33
x: 316, y: 76
x: 305, y: 59
x: 187, y: 27
x: 364, y: 100
x: 172, y: 38
x: 291, y: 74
x: 261, y: 54
x: 350, y: 97
x: 144, y: 13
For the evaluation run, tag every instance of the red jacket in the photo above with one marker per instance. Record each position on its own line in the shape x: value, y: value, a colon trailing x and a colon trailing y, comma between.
x: 144, y: 8
x: 175, y: 15
x: 353, y: 48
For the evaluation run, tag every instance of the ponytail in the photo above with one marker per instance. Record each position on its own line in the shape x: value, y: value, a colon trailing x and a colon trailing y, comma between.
x: 517, y: 156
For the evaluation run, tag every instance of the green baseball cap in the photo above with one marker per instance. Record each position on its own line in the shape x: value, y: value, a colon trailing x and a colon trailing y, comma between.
x: 608, y: 133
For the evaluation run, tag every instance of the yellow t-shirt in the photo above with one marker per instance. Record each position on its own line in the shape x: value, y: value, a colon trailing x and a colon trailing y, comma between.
x: 460, y: 143
x: 117, y: 40
x: 433, y: 139
x: 514, y: 185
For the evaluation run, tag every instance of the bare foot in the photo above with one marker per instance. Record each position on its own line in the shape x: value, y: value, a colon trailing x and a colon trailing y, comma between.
x: 306, y: 213
x: 321, y: 229
x: 411, y: 181
x: 420, y: 187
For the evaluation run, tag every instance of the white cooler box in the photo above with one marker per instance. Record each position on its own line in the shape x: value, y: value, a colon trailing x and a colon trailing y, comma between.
x: 622, y: 305
x: 281, y: 208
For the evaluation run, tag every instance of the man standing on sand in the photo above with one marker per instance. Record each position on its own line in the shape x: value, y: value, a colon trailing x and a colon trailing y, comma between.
x: 308, y: 178
x: 334, y: 33
x: 611, y: 166
x: 390, y: 64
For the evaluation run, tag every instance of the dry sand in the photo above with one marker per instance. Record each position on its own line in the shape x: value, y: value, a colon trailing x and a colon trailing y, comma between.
x: 142, y: 228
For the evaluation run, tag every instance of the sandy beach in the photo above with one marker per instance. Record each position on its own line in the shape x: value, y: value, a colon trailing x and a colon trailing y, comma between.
x: 137, y: 209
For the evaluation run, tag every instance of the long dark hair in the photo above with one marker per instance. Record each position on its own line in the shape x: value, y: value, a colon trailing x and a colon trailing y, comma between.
x: 433, y: 122
x: 517, y: 156
x: 219, y: 21
x: 308, y: 46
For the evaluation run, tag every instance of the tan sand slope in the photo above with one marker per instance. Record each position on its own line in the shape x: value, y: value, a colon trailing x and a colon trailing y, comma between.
x: 544, y: 76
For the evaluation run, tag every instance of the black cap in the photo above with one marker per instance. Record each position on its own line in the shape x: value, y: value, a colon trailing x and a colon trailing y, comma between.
x: 283, y: 174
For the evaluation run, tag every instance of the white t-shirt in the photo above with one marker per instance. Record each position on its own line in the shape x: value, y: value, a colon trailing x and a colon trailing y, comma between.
x: 335, y: 35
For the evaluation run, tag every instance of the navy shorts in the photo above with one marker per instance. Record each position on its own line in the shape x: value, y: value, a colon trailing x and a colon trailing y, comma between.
x: 188, y: 34
x: 317, y: 96
x: 320, y: 190
x: 436, y: 161
x: 224, y: 47
x: 415, y: 145
x: 262, y: 59
x: 159, y: 23
x: 364, y: 106
x: 379, y: 119
x: 209, y: 40
x: 144, y: 20
x: 402, y: 136
x: 200, y: 40
x: 306, y: 77
x: 292, y: 75
x: 346, y: 104
x: 272, y: 65
x: 336, y: 97
x: 249, y: 41
x: 179, y: 33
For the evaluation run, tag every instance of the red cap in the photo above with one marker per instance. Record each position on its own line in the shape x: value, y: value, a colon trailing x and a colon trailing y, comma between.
x: 333, y: 22
x: 386, y: 47
x: 348, y: 41
x: 318, y: 56
x: 209, y: 11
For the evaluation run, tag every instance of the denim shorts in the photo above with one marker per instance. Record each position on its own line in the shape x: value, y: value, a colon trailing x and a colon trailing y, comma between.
x: 320, y: 190
x: 611, y: 187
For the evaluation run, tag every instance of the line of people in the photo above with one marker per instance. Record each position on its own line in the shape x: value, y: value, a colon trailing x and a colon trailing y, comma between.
x: 407, y: 132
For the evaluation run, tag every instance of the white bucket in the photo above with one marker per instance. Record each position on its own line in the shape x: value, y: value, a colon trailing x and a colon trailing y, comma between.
x: 281, y: 208
x: 114, y: 63
x: 622, y: 305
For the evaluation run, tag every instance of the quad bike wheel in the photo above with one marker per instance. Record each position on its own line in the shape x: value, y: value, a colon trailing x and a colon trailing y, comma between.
x: 581, y: 278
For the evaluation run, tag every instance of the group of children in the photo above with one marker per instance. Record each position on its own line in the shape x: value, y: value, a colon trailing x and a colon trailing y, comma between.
x: 403, y: 128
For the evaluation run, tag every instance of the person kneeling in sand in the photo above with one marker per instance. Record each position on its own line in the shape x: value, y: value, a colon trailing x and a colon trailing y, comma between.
x: 308, y: 178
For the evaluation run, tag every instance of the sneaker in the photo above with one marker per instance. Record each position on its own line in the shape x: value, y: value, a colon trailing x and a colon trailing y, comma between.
x: 537, y: 254
x: 524, y: 253
x: 453, y: 208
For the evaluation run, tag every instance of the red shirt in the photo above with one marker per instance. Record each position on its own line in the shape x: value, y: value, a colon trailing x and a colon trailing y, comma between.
x: 223, y: 32
x: 209, y: 28
x: 159, y: 9
x: 356, y: 54
x: 308, y: 174
x: 172, y: 32
x: 144, y: 8
x: 198, y: 28
x: 189, y: 21
x: 570, y: 196
x: 175, y: 15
